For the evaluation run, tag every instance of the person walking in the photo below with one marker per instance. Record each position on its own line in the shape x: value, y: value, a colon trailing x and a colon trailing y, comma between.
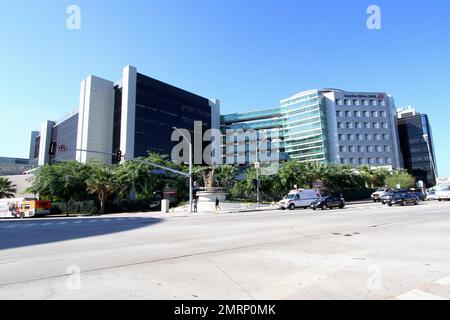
x: 195, y: 205
x: 217, y: 204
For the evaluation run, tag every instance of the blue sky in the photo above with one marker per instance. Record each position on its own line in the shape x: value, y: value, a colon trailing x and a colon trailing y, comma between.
x: 247, y: 53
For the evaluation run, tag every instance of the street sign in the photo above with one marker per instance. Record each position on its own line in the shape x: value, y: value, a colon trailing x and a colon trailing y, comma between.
x: 62, y: 148
x: 158, y: 171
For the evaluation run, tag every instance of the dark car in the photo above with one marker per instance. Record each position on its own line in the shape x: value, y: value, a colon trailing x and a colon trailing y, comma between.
x: 404, y: 198
x: 389, y: 195
x: 328, y: 202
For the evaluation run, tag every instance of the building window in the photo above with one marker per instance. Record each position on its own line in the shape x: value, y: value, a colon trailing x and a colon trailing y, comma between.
x: 357, y: 114
x: 377, y: 137
x: 352, y: 161
x: 388, y: 160
x: 358, y: 125
x: 348, y: 102
x: 366, y: 114
x: 361, y: 160
x: 376, y: 125
x: 342, y: 149
x: 339, y: 113
x: 370, y: 161
x: 349, y: 125
x: 365, y: 103
x: 383, y: 114
x: 384, y: 125
x: 367, y: 125
x: 348, y: 113
x: 351, y: 149
x: 379, y: 161
x: 385, y: 137
x: 340, y: 125
x: 379, y: 149
x: 375, y: 114
x: 373, y: 103
x: 343, y: 161
x: 387, y: 149
x: 341, y: 137
x: 359, y: 137
x: 360, y: 149
x: 368, y: 137
x: 382, y: 103
x: 369, y: 149
x: 350, y: 137
x: 356, y: 102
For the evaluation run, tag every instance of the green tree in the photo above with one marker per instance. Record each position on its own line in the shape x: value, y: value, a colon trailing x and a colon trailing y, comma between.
x: 62, y: 182
x: 402, y: 178
x: 7, y: 189
x: 224, y: 176
x: 102, y: 183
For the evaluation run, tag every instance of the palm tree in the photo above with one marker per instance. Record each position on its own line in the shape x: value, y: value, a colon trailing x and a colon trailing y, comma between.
x: 224, y: 176
x: 102, y: 182
x: 7, y: 189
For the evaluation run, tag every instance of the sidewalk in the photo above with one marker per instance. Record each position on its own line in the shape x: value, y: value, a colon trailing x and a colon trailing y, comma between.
x: 228, y: 207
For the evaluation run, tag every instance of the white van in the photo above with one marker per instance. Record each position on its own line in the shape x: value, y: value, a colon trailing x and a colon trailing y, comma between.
x: 299, y: 199
x: 443, y: 191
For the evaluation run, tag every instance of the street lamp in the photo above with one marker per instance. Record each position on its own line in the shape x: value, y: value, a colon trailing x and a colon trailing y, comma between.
x: 190, y: 168
x: 433, y: 164
x: 257, y: 165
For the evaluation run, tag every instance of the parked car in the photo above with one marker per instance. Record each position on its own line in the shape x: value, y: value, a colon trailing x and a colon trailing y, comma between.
x: 443, y: 192
x: 299, y: 199
x: 404, y: 198
x: 376, y: 196
x: 329, y: 202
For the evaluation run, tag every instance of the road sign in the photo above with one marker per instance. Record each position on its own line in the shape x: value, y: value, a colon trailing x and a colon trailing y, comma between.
x: 62, y: 148
x: 158, y: 171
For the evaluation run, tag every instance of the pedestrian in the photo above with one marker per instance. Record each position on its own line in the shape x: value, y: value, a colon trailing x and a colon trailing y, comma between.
x: 217, y: 204
x: 195, y: 205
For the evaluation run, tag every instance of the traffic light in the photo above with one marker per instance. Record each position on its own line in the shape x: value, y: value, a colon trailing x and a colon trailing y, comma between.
x: 52, y: 148
x: 118, y: 157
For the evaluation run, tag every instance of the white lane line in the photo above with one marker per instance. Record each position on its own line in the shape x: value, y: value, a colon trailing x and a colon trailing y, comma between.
x: 444, y: 281
x: 47, y: 223
x: 92, y: 221
x: 29, y: 224
x: 419, y: 295
x: 10, y: 226
x: 78, y: 221
x: 120, y: 219
x: 63, y: 222
x: 107, y: 220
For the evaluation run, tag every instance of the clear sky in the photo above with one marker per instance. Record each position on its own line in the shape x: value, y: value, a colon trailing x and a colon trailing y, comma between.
x: 247, y: 53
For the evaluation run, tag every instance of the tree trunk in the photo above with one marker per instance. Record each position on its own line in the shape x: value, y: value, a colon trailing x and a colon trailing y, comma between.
x: 102, y: 203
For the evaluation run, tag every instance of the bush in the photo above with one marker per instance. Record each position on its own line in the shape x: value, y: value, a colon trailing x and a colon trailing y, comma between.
x: 132, y: 205
x: 75, y: 208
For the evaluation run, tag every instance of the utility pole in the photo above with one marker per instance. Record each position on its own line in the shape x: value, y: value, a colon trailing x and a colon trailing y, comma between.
x: 191, y: 178
x: 257, y: 166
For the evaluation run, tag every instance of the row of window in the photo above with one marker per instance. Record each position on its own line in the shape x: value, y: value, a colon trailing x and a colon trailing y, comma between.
x: 359, y: 114
x: 363, y: 102
x: 361, y: 125
x: 370, y: 161
x: 361, y: 149
x: 363, y: 137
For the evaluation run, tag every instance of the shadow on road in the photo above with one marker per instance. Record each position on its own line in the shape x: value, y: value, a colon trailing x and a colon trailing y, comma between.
x: 14, y: 234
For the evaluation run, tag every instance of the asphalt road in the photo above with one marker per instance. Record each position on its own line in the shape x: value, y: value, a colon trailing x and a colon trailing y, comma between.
x: 368, y: 251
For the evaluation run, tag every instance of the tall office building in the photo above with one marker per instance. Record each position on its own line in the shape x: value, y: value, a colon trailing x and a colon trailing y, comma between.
x: 136, y: 115
x: 331, y: 125
x: 416, y: 143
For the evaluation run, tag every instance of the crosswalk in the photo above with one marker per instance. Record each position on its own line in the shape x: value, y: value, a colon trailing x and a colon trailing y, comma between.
x: 6, y: 225
x: 434, y: 291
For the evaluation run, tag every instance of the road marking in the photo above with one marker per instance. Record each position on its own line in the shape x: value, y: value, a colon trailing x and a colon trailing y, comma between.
x: 92, y: 221
x: 10, y: 226
x: 107, y: 220
x: 78, y: 221
x: 47, y: 224
x: 63, y: 222
x: 29, y: 224
x: 419, y: 295
x: 444, y: 281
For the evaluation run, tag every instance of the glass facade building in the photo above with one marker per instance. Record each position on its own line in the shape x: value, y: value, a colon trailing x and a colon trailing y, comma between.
x: 305, y: 127
x: 416, y: 143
